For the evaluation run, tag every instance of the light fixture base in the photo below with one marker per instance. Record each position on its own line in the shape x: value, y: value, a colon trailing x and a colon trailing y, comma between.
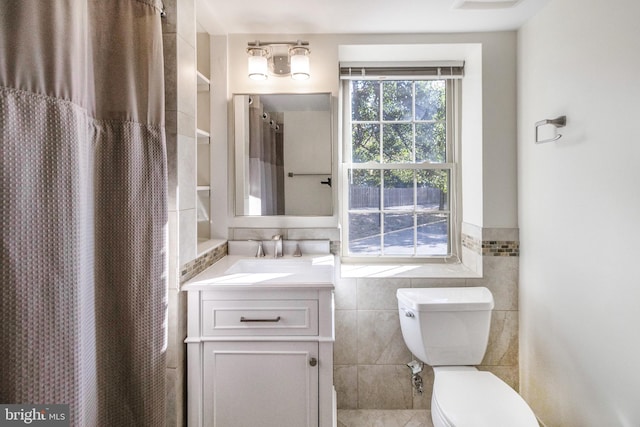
x: 280, y: 66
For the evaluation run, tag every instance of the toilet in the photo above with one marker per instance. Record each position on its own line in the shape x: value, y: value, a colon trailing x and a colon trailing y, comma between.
x: 448, y: 329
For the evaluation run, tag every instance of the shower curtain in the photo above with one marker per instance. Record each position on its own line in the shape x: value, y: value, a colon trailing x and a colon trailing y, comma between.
x: 266, y: 161
x: 83, y: 209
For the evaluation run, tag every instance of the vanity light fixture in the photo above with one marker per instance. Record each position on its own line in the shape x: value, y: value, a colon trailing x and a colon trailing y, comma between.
x: 279, y: 59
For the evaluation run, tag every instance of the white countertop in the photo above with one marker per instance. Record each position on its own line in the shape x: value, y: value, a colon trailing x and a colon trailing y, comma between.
x: 315, y: 272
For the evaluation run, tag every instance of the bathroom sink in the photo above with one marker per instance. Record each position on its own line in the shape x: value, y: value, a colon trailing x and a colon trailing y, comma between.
x: 316, y: 271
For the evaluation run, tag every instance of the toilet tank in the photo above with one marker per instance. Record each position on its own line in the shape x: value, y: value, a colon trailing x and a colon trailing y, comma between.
x: 446, y: 326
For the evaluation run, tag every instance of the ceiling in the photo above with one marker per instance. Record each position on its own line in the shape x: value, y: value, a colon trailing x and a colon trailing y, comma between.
x: 362, y: 16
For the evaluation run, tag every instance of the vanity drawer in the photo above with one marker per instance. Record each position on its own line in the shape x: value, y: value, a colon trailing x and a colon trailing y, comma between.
x: 260, y: 317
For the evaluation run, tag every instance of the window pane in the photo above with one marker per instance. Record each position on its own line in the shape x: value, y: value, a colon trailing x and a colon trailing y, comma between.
x: 397, y: 143
x: 431, y: 142
x: 402, y: 211
x: 365, y: 100
x: 364, y: 233
x: 397, y: 100
x: 365, y: 143
x: 398, y: 234
x: 432, y: 189
x: 364, y: 189
x: 398, y: 189
x: 430, y: 100
x: 433, y: 230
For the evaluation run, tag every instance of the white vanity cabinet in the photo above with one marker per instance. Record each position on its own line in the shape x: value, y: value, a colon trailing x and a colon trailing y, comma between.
x: 260, y: 354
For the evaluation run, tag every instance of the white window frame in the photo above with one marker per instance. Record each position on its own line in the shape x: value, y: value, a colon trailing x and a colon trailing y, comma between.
x: 452, y: 164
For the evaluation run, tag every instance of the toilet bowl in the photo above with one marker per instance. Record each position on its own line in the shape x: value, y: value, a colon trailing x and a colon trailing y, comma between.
x: 448, y: 328
x: 472, y: 398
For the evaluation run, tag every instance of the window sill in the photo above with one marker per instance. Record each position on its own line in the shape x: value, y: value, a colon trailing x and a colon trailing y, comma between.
x: 406, y: 270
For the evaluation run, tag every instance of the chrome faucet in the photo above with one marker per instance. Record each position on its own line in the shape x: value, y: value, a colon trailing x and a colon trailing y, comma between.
x: 277, y: 245
x: 260, y: 251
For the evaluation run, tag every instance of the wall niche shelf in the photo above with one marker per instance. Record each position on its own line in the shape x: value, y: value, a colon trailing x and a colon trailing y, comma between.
x: 203, y: 138
x: 204, y: 84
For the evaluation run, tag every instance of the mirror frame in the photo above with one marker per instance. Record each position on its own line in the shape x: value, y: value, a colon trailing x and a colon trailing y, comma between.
x: 279, y: 221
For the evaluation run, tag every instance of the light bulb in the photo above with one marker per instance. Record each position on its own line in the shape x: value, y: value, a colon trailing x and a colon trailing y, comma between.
x: 299, y: 63
x: 257, y: 65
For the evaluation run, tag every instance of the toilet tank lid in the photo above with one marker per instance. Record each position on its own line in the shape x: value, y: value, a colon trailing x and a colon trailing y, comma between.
x: 446, y: 299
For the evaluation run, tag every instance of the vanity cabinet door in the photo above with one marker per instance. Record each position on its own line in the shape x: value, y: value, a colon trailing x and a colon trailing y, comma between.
x: 266, y: 384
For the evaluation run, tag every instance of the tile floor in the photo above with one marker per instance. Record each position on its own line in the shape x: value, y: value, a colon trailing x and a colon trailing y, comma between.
x: 384, y: 418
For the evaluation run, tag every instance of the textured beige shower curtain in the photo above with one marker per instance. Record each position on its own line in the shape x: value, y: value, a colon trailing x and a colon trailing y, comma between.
x: 83, y: 209
x: 266, y: 161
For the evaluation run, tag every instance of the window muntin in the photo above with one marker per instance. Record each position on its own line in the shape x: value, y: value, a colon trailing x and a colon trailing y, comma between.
x: 399, y: 167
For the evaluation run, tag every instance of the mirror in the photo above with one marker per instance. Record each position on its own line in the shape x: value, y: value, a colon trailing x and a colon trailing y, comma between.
x: 283, y: 154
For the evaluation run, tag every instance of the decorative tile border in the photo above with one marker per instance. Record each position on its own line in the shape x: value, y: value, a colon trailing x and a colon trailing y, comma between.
x: 201, y: 263
x: 491, y: 247
x: 500, y: 248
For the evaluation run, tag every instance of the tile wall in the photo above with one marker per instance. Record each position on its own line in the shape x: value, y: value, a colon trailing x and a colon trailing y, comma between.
x: 370, y: 355
x: 202, y: 262
x: 179, y: 44
x: 331, y: 234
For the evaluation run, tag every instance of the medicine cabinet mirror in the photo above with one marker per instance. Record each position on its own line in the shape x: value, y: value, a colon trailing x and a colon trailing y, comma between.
x: 283, y: 154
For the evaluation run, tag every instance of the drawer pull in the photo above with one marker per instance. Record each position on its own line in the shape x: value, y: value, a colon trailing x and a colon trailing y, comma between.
x: 274, y: 320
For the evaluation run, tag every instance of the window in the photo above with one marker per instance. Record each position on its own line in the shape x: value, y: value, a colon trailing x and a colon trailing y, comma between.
x: 399, y: 166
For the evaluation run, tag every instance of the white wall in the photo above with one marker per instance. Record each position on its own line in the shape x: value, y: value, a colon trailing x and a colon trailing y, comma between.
x: 306, y: 151
x: 579, y: 214
x: 490, y: 196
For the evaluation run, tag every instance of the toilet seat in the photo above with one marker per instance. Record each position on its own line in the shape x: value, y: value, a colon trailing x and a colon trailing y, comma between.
x: 478, y: 399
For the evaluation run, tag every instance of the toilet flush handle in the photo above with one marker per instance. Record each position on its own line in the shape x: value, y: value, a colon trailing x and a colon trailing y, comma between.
x: 407, y: 312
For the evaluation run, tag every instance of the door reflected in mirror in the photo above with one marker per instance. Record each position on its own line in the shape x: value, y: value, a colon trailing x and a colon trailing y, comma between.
x: 283, y: 153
